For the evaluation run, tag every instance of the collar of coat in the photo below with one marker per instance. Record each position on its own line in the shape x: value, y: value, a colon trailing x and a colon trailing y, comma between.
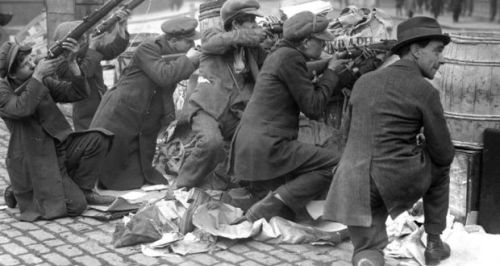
x: 407, y: 65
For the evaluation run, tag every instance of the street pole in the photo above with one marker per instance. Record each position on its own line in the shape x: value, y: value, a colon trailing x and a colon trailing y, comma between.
x: 58, y: 11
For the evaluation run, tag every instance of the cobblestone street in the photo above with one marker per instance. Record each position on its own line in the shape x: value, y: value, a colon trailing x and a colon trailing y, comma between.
x: 85, y: 241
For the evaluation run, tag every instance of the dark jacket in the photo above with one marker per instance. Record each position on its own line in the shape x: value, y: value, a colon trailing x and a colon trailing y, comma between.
x: 134, y: 110
x: 389, y: 108
x: 265, y: 144
x: 216, y: 92
x: 35, y: 123
x: 90, y: 64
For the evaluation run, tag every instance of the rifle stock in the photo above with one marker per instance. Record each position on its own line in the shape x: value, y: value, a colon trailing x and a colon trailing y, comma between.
x: 87, y: 23
x: 112, y: 20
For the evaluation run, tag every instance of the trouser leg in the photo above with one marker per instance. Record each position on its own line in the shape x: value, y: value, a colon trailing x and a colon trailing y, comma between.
x: 369, y: 242
x: 85, y: 154
x: 436, y: 200
x: 207, y: 153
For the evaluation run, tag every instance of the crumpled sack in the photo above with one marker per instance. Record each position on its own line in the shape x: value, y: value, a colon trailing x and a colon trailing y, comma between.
x: 147, y: 225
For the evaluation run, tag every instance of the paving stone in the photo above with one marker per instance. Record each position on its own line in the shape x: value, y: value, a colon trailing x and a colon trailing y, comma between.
x: 87, y: 260
x: 341, y: 263
x: 70, y: 251
x: 108, y: 228
x: 346, y: 245
x: 225, y: 264
x: 340, y: 254
x: 89, y: 221
x: 309, y: 263
x: 99, y: 236
x: 79, y: 227
x: 299, y: 249
x: 72, y: 238
x: 56, y: 228
x: 204, y: 259
x: 24, y: 226
x: 65, y: 220
x: 41, y: 235
x: 285, y: 255
x: 30, y: 259
x: 4, y: 239
x: 229, y: 256
x: 12, y: 233
x: 7, y: 260
x: 126, y: 250
x: 56, y: 259
x: 143, y: 260
x: 25, y: 240
x: 284, y: 264
x: 53, y: 242
x: 189, y: 263
x: 261, y: 257
x: 174, y: 259
x: 92, y: 247
x: 14, y: 249
x: 39, y: 248
x: 239, y: 248
x: 318, y: 256
x: 260, y: 246
x: 111, y: 258
x: 250, y: 263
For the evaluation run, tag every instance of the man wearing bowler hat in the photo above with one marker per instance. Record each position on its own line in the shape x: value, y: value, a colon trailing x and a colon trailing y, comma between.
x: 388, y: 164
x: 141, y: 102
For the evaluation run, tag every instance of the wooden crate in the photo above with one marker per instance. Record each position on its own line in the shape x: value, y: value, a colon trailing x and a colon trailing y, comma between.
x: 465, y: 176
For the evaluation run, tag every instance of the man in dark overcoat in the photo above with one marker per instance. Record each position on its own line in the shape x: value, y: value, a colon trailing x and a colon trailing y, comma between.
x: 385, y: 168
x: 52, y: 169
x: 229, y: 65
x: 266, y: 156
x: 93, y: 49
x: 135, y: 108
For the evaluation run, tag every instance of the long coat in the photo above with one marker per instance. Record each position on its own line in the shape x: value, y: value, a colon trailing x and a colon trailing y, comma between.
x: 90, y: 65
x: 389, y: 108
x: 35, y: 123
x: 216, y: 92
x: 134, y: 110
x: 265, y: 144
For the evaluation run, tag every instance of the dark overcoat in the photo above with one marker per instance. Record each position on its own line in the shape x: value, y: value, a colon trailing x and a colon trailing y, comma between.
x: 216, y: 92
x: 35, y: 123
x: 134, y: 110
x: 265, y: 144
x: 389, y: 108
x: 90, y: 65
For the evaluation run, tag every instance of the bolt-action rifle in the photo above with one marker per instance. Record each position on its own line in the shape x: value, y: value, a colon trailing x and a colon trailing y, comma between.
x: 113, y: 19
x: 88, y: 22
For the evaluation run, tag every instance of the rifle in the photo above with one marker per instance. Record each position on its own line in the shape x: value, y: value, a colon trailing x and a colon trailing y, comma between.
x: 87, y: 23
x: 355, y: 53
x: 113, y: 19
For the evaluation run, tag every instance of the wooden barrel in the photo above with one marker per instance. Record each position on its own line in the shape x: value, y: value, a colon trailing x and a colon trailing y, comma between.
x: 210, y: 15
x: 469, y: 84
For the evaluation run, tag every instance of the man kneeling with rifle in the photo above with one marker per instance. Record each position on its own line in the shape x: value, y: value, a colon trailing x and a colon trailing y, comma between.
x: 51, y: 168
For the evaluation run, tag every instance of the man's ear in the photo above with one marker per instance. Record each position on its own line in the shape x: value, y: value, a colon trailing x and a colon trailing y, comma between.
x: 415, y: 50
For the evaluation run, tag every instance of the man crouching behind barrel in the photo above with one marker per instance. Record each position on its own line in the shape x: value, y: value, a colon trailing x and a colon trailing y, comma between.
x: 141, y: 102
x: 265, y: 154
x: 385, y: 167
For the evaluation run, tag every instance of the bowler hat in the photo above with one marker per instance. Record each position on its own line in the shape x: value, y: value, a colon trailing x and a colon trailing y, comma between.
x: 181, y: 27
x: 417, y: 29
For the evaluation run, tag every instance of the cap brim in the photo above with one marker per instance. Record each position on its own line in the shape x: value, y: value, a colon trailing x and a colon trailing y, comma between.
x: 324, y: 35
x: 194, y: 36
x: 445, y: 38
x: 250, y: 11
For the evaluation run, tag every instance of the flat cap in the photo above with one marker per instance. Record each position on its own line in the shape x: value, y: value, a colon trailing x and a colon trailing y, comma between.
x: 64, y: 28
x: 231, y: 8
x: 181, y: 27
x: 305, y: 24
x: 8, y: 52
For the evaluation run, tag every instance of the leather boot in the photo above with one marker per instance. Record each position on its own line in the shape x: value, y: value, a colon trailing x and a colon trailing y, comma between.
x: 9, y: 198
x: 94, y: 198
x: 269, y: 207
x: 436, y: 251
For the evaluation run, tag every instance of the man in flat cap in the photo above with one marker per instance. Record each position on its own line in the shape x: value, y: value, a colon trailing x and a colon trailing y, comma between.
x: 231, y: 58
x: 141, y: 103
x: 52, y: 169
x: 93, y: 49
x: 266, y: 156
x: 385, y: 167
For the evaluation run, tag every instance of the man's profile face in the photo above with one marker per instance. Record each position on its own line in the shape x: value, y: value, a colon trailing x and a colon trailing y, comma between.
x: 430, y: 58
